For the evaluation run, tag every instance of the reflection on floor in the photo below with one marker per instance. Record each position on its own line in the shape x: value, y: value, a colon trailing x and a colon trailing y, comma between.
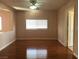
x: 36, y: 50
x: 36, y: 53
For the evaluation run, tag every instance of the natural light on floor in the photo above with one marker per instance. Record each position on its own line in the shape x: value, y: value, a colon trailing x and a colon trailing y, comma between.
x: 36, y: 53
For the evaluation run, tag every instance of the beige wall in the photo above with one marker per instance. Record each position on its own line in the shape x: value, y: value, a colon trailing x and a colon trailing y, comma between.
x: 62, y: 25
x: 7, y: 34
x: 76, y: 29
x: 22, y: 32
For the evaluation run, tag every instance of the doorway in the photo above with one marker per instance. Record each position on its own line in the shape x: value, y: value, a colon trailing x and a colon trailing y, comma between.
x: 70, y: 28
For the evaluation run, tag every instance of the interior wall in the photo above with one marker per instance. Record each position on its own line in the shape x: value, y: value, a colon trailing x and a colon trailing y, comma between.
x: 76, y: 30
x: 7, y: 34
x: 23, y: 33
x: 62, y: 25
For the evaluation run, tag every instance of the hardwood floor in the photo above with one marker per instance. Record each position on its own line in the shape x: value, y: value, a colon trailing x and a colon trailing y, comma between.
x: 9, y: 52
x: 36, y: 50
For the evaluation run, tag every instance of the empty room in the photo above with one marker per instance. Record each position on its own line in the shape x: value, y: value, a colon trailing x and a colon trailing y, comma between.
x: 38, y: 29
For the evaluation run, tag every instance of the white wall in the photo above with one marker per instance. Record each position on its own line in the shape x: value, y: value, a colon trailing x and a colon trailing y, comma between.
x: 62, y: 25
x: 7, y: 34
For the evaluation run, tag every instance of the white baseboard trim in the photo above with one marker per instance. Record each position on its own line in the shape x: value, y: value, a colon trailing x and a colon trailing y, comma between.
x: 6, y: 45
x: 75, y: 55
x: 69, y: 48
x: 36, y: 39
x: 62, y: 43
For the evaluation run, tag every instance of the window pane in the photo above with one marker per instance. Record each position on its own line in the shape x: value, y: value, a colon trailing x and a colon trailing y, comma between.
x: 36, y: 24
x: 0, y: 23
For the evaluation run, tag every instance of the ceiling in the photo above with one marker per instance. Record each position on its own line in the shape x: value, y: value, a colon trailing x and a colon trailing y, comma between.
x: 42, y: 4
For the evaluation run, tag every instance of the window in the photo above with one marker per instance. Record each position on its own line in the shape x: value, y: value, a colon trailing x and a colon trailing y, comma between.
x: 0, y: 23
x: 36, y: 24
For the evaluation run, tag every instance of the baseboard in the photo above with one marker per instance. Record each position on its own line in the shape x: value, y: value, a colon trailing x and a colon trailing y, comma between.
x: 6, y: 45
x: 62, y: 43
x: 68, y: 48
x: 36, y: 38
x: 75, y: 55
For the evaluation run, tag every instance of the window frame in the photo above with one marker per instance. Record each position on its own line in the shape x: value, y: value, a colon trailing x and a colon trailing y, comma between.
x: 37, y: 28
x: 0, y: 23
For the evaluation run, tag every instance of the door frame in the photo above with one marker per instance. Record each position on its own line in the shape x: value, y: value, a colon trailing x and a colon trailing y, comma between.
x: 73, y: 27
